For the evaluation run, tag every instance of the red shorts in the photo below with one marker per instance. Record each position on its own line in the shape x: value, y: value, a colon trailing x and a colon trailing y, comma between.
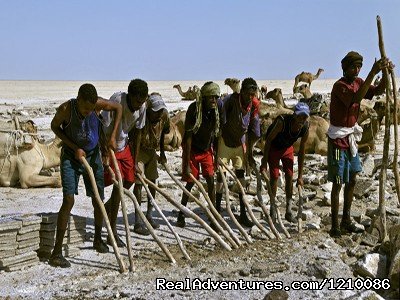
x: 203, y: 159
x: 284, y: 155
x: 126, y: 165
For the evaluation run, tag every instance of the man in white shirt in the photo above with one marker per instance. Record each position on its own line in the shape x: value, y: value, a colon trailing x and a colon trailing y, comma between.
x: 133, y: 116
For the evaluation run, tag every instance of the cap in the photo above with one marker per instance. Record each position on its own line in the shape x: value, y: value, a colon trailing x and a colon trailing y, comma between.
x: 301, y: 108
x: 156, y: 102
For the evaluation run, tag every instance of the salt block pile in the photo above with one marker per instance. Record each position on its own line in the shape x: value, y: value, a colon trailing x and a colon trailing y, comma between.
x: 19, y: 240
x: 74, y: 236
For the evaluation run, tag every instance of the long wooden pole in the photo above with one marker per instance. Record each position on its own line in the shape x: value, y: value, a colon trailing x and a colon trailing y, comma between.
x: 396, y: 137
x: 300, y: 210
x: 385, y: 156
x: 148, y: 225
x: 89, y: 170
x: 204, y: 207
x: 159, y: 211
x: 190, y: 214
x: 395, y: 104
x: 123, y: 207
x: 215, y: 212
x: 229, y: 210
x: 249, y: 210
x: 274, y: 206
x: 263, y: 206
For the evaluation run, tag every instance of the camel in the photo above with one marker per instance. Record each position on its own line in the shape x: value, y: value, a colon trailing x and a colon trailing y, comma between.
x: 190, y: 94
x: 25, y: 165
x: 17, y: 134
x: 303, y: 89
x: 317, y: 140
x: 306, y: 77
x: 233, y: 83
x: 317, y: 105
x: 173, y: 140
x: 276, y: 94
x: 263, y: 93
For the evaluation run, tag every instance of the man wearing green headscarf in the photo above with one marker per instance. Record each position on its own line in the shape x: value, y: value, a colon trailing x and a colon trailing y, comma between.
x: 201, y: 127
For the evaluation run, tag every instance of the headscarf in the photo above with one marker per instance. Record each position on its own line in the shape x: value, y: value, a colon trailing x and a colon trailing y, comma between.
x: 208, y: 89
x: 351, y: 58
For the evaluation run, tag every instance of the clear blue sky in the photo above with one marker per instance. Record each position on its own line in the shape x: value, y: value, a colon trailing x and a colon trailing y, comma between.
x: 190, y: 40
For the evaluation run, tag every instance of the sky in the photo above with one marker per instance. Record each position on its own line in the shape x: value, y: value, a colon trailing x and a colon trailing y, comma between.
x: 190, y: 40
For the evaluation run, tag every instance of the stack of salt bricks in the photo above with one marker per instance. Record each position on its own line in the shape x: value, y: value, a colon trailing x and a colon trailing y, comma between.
x: 74, y: 237
x: 19, y: 240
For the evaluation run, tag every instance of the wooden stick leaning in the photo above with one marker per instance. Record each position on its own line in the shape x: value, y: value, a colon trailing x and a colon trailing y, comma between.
x: 204, y: 207
x: 229, y: 210
x: 123, y: 207
x: 395, y: 103
x: 396, y: 137
x: 89, y: 170
x: 273, y: 204
x: 264, y: 207
x: 381, y: 219
x: 249, y: 210
x: 215, y: 212
x: 157, y: 208
x: 300, y: 210
x: 147, y: 224
x: 190, y: 214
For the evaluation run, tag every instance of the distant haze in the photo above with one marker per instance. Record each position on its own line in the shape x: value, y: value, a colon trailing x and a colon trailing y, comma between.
x: 190, y: 40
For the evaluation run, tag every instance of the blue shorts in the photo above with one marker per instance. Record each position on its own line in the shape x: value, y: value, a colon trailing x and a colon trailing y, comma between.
x: 341, y: 164
x: 71, y: 170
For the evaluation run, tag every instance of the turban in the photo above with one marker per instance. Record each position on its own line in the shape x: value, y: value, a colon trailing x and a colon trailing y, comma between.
x: 350, y: 59
x: 302, y: 108
x: 210, y: 89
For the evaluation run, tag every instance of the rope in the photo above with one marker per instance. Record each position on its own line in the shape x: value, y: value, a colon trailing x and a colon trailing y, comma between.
x: 12, y: 136
x: 38, y: 149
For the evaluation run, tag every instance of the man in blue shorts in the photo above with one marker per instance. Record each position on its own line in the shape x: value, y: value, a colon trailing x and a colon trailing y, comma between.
x: 77, y: 124
x: 343, y: 159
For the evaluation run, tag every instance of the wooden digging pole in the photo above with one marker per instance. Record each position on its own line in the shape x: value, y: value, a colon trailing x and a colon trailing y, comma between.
x: 89, y: 170
x: 380, y: 220
x: 123, y: 207
x: 395, y: 104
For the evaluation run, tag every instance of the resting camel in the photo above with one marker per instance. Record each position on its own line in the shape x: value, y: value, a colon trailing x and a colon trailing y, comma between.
x: 306, y: 77
x: 303, y: 89
x: 276, y: 94
x: 316, y: 103
x: 233, y: 83
x: 190, y: 94
x: 25, y: 165
x: 17, y: 134
x: 173, y: 140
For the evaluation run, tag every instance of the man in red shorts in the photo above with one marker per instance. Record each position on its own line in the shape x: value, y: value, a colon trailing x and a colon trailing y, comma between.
x: 280, y: 137
x: 201, y: 127
x: 133, y: 116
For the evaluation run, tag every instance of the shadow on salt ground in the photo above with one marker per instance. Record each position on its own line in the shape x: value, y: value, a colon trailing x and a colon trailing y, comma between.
x: 93, y: 264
